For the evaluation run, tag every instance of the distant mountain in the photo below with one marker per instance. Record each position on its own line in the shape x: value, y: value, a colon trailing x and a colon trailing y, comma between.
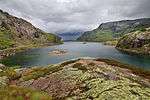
x: 112, y: 30
x: 70, y: 36
x: 16, y: 32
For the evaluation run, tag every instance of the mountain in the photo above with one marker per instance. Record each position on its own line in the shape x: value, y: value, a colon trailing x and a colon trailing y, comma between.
x: 70, y: 36
x: 112, y: 30
x: 16, y: 32
x: 136, y: 42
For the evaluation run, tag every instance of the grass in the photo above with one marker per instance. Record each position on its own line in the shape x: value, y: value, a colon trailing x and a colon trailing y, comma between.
x: 31, y: 73
x: 10, y: 73
x: 5, y: 43
x: 52, y: 38
x: 5, y: 40
x: 97, y: 36
x: 19, y: 93
x: 112, y: 43
x: 37, y: 72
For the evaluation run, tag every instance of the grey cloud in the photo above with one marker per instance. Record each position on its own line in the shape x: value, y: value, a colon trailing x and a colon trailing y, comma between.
x: 69, y: 15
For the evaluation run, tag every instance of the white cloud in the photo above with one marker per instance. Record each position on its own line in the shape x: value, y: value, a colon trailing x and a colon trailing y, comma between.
x: 70, y: 15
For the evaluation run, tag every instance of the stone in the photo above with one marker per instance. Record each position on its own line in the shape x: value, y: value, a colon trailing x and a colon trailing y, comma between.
x: 2, y: 66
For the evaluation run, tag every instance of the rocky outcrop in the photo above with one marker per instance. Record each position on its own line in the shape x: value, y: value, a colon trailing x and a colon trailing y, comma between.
x: 15, y: 32
x: 83, y: 79
x: 112, y: 30
x: 57, y: 52
x: 136, y: 42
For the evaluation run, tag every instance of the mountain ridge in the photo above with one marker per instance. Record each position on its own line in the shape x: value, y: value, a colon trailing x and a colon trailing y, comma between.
x: 70, y: 36
x: 111, y: 30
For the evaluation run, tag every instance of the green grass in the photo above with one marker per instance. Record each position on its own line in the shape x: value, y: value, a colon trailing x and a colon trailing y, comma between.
x: 5, y: 39
x: 52, y: 38
x: 37, y: 72
x: 5, y: 43
x: 112, y: 43
x: 97, y: 36
x: 19, y: 93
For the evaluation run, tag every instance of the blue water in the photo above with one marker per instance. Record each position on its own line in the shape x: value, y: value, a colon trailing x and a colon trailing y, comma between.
x: 40, y: 56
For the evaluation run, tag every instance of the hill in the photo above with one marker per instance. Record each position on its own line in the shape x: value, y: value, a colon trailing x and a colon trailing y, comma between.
x: 16, y: 32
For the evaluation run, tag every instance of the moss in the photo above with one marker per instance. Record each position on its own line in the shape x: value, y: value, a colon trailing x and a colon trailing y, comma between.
x: 99, y: 89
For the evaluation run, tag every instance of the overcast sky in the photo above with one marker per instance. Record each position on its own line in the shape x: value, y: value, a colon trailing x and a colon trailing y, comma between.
x: 72, y: 15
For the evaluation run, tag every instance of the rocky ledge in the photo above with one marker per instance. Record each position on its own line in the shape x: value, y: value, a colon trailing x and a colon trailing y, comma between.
x: 81, y: 79
x: 136, y: 42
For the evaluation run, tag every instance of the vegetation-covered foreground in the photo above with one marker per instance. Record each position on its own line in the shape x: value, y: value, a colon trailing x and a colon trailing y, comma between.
x: 82, y: 79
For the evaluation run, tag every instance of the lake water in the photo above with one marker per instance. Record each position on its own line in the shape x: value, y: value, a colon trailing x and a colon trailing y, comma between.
x: 40, y: 56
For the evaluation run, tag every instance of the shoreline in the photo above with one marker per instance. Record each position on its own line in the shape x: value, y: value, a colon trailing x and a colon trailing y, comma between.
x: 12, y: 51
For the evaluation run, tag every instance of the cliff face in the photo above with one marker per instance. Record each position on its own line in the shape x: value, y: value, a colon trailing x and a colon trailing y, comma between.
x: 111, y: 30
x: 136, y: 42
x: 16, y: 32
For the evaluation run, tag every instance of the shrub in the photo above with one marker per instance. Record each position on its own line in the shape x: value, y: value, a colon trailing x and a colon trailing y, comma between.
x: 142, y: 29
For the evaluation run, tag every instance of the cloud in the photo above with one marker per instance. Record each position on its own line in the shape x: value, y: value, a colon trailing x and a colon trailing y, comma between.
x: 72, y: 15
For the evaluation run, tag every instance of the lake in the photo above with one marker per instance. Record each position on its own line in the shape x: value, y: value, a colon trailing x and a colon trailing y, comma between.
x: 40, y: 56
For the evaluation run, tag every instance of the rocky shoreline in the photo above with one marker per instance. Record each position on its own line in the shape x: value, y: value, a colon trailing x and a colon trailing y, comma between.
x: 134, y: 51
x: 80, y: 79
x: 12, y: 51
